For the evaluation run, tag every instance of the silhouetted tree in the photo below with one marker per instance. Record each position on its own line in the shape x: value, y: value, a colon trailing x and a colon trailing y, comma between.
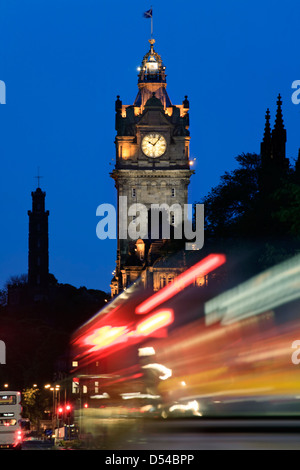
x: 254, y: 206
x: 234, y: 198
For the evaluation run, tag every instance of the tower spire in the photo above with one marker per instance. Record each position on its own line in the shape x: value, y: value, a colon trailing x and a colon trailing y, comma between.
x: 267, y: 133
x: 279, y: 134
x: 279, y: 125
x: 266, y: 145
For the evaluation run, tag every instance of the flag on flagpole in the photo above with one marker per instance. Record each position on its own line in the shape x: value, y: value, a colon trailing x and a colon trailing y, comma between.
x: 148, y: 13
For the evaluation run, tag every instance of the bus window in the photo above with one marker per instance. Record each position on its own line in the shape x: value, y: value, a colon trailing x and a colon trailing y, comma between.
x: 8, y: 400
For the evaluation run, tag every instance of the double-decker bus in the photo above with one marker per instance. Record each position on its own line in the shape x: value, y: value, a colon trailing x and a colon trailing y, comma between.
x: 190, y: 351
x: 10, y: 420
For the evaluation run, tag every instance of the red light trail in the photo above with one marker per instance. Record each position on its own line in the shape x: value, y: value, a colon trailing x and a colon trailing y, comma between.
x: 202, y: 268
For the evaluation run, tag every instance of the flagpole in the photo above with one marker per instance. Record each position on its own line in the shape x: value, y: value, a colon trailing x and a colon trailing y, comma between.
x: 151, y: 21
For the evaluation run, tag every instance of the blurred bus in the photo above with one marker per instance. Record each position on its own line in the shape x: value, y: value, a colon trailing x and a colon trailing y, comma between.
x: 10, y: 420
x: 240, y: 358
x: 194, y: 350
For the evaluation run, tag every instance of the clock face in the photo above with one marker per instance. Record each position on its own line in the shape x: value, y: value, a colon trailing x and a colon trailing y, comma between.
x: 154, y: 145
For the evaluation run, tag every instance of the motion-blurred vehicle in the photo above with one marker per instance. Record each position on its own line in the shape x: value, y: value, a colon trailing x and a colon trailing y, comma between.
x: 196, y: 349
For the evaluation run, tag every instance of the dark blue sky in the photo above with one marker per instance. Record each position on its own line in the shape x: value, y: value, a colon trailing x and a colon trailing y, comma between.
x: 64, y: 62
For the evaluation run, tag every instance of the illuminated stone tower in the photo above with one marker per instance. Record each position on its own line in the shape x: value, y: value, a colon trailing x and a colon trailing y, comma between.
x: 152, y: 158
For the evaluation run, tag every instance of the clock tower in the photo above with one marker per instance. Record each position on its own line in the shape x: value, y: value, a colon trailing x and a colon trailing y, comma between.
x: 152, y: 160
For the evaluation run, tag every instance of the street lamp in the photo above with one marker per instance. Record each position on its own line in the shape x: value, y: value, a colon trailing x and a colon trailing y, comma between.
x: 55, y: 389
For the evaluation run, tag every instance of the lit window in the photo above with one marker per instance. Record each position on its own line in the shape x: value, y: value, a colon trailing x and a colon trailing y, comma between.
x: 140, y: 249
x: 163, y: 282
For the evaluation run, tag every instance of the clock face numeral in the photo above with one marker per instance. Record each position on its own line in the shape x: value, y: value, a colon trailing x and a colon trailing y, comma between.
x: 154, y: 145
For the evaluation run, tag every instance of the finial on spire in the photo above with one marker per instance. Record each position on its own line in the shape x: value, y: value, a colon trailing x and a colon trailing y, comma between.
x: 279, y: 117
x: 152, y: 42
x: 38, y: 177
x: 267, y: 133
